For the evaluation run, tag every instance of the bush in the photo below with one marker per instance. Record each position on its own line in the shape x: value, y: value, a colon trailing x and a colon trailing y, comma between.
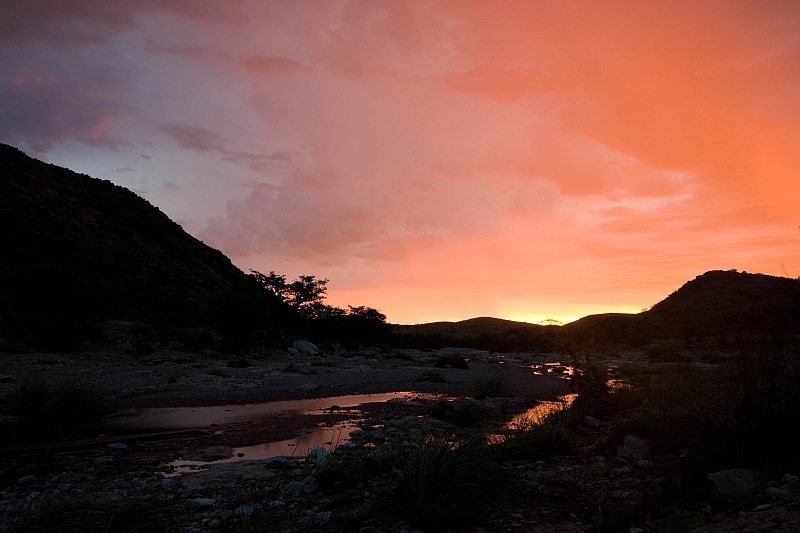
x: 533, y: 436
x: 462, y: 412
x: 432, y: 376
x: 452, y: 360
x: 60, y: 403
x: 443, y: 482
x: 489, y: 387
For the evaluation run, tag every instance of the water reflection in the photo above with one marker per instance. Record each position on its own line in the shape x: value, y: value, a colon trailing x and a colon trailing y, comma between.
x: 536, y: 414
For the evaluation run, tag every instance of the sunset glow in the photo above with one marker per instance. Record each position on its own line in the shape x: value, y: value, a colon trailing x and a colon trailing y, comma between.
x: 435, y: 160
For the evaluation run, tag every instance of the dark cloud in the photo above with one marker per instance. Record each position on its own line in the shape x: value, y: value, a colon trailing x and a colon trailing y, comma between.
x: 85, y: 22
x: 48, y: 101
x: 206, y: 141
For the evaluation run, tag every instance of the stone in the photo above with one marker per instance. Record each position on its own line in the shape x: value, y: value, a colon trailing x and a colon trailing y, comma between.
x: 322, y: 518
x: 306, y: 486
x: 201, y: 503
x: 24, y: 480
x: 309, y: 386
x: 733, y: 483
x: 51, y: 497
x: 643, y: 464
x: 293, y: 351
x: 318, y: 455
x: 117, y: 446
x: 633, y: 448
x: 791, y: 480
x: 368, y: 529
x: 777, y: 493
x: 591, y: 421
x: 636, y: 530
x: 763, y: 507
x: 277, y: 463
x: 167, y: 483
x: 246, y: 509
x: 305, y: 347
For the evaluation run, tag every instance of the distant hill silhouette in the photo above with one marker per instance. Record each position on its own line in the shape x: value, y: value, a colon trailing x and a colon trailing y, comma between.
x: 714, y: 303
x: 78, y: 250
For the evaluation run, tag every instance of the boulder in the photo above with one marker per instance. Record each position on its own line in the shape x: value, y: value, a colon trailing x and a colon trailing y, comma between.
x: 633, y: 448
x: 734, y: 483
x: 305, y: 347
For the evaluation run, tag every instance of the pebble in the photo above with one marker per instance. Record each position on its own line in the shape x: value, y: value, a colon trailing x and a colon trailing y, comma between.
x: 24, y: 480
x: 117, y: 446
x: 763, y: 507
x: 201, y: 503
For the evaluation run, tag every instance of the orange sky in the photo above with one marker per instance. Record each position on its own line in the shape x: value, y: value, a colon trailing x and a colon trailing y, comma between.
x: 435, y: 160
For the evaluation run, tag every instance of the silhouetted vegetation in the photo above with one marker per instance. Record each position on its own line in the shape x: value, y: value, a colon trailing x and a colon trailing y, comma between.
x: 451, y: 360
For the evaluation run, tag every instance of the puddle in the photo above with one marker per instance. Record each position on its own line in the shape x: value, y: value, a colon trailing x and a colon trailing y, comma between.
x: 186, y: 418
x: 328, y: 438
x: 535, y: 414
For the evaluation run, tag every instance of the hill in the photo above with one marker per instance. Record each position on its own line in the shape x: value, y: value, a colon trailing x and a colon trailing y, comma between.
x: 715, y: 303
x: 77, y: 251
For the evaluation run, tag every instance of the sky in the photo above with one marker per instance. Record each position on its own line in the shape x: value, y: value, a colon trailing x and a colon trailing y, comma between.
x: 436, y: 160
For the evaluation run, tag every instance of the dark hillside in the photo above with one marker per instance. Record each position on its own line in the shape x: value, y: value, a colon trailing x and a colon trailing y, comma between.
x: 485, y: 333
x: 715, y: 303
x: 78, y: 250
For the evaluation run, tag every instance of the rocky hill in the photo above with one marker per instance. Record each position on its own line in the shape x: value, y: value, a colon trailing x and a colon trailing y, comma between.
x: 715, y: 303
x: 78, y: 250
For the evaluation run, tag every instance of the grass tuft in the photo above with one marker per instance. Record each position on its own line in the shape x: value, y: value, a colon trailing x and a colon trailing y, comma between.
x: 489, y: 387
x: 442, y: 482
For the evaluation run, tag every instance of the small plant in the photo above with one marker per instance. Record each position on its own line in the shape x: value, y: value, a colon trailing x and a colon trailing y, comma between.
x: 462, y: 412
x: 291, y: 367
x: 451, y: 360
x: 537, y: 435
x: 441, y: 481
x: 240, y: 363
x: 174, y: 373
x: 62, y: 403
x: 489, y: 387
x: 221, y: 372
x: 432, y: 376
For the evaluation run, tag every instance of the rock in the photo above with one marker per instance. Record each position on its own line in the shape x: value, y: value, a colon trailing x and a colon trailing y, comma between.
x: 305, y: 347
x: 306, y: 486
x: 791, y: 480
x: 357, y: 433
x: 309, y: 386
x: 117, y: 446
x: 246, y: 509
x: 214, y: 524
x: 51, y: 497
x: 728, y: 484
x: 633, y: 448
x: 776, y: 493
x: 293, y: 351
x: 591, y: 421
x: 24, y: 480
x: 636, y: 530
x: 167, y: 483
x: 322, y: 518
x: 368, y: 529
x: 318, y: 455
x: 201, y: 503
x: 642, y: 463
x: 763, y: 507
x: 277, y: 463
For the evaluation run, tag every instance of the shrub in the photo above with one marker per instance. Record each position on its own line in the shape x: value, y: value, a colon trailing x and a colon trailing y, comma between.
x: 452, y: 360
x: 432, y: 376
x: 489, y: 387
x: 441, y: 482
x: 60, y: 403
x: 291, y: 367
x: 537, y: 435
x: 463, y: 412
